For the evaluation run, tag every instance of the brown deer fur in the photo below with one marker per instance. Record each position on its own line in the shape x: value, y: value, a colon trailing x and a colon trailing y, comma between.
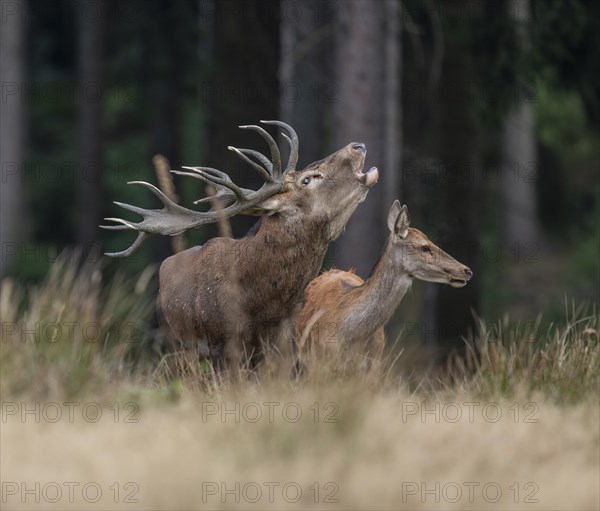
x: 343, y: 310
x: 229, y: 295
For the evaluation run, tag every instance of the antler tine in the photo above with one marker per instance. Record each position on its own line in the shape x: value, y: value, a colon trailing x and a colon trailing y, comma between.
x: 134, y: 246
x: 289, y: 140
x: 267, y: 164
x: 173, y: 219
x: 242, y: 154
x: 275, y: 154
x: 123, y: 227
x: 216, y: 178
x: 155, y: 191
x: 223, y: 194
x: 293, y: 140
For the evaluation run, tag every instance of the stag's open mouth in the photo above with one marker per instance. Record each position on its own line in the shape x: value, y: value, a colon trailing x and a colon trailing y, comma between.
x: 458, y: 282
x: 368, y: 178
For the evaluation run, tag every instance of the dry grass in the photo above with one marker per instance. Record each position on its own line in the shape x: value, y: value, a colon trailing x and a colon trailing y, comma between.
x: 563, y: 363
x: 73, y: 334
x: 520, y: 415
x: 364, y: 450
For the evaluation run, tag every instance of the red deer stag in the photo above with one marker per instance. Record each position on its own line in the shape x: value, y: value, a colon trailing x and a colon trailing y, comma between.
x: 341, y: 310
x: 227, y: 296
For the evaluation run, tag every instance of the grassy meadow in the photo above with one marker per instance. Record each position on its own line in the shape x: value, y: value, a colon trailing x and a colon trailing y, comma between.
x: 94, y: 416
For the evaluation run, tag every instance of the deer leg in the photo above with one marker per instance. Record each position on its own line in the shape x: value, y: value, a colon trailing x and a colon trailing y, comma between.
x: 235, y: 353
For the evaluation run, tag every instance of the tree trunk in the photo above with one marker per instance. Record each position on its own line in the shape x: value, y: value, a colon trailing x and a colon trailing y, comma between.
x: 520, y: 224
x: 13, y: 217
x: 305, y: 77
x: 168, y: 54
x: 458, y: 196
x: 366, y: 110
x: 89, y: 184
x: 519, y: 174
x: 243, y: 89
x: 393, y: 102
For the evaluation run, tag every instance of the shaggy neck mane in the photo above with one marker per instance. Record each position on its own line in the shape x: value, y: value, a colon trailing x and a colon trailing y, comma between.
x: 284, y: 256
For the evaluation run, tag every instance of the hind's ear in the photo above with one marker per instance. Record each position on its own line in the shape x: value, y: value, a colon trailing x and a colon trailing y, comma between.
x: 402, y: 222
x: 393, y: 215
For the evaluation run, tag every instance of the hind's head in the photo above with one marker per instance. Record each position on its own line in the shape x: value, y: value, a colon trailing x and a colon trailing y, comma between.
x: 421, y: 258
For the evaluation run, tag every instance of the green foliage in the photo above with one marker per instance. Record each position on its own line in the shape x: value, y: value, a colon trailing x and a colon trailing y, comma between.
x: 585, y: 263
x: 566, y: 41
x: 570, y: 156
x: 561, y: 124
x: 499, y: 61
x: 149, y: 52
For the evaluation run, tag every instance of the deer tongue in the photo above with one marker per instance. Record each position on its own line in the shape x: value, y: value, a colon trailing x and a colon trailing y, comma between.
x: 368, y: 178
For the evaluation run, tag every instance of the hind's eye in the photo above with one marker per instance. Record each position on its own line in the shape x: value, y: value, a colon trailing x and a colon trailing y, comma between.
x: 306, y: 181
x: 425, y: 248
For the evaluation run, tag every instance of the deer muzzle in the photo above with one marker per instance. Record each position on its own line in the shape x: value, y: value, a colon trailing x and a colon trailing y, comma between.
x: 461, y: 281
x: 368, y: 178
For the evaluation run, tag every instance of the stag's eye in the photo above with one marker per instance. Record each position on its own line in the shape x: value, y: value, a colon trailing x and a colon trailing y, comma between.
x: 425, y: 248
x: 309, y: 179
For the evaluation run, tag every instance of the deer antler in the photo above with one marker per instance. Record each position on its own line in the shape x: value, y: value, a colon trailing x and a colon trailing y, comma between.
x: 174, y: 219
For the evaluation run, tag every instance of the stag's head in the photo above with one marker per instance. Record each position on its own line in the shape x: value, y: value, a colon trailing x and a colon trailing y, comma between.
x: 327, y: 191
x: 419, y: 256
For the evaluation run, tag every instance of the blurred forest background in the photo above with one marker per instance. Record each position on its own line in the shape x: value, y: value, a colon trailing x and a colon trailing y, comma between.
x: 482, y: 116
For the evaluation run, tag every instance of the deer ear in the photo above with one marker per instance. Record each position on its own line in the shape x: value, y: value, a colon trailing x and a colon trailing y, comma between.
x: 393, y: 216
x: 269, y: 206
x: 402, y: 223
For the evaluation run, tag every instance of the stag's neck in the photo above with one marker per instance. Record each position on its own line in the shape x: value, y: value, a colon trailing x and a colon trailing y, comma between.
x: 376, y: 300
x: 289, y: 254
x: 280, y: 232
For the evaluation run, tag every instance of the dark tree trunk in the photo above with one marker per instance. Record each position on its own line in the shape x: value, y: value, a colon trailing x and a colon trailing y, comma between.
x: 459, y: 192
x: 168, y: 55
x: 90, y: 124
x: 366, y: 82
x: 519, y: 174
x: 13, y: 218
x: 244, y: 87
x: 305, y: 74
x: 393, y: 102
